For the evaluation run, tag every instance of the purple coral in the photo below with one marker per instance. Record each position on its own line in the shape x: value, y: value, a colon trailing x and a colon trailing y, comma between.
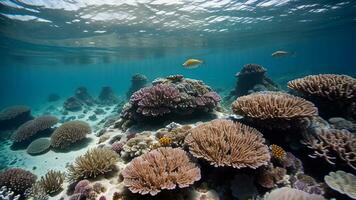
x: 117, y: 146
x: 209, y: 100
x: 156, y: 100
x: 83, y: 190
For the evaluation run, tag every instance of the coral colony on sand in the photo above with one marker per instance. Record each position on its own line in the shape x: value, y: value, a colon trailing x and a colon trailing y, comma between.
x: 140, y: 151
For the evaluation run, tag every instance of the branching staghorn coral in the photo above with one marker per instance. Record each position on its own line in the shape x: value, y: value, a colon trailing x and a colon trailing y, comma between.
x: 94, y: 162
x: 69, y: 133
x: 343, y: 182
x: 225, y: 143
x: 328, y: 143
x: 274, y: 108
x: 329, y: 86
x: 163, y: 168
x: 52, y: 181
x: 286, y: 193
x: 32, y: 127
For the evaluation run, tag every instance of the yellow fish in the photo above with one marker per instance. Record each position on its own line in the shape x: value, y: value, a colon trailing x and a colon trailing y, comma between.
x: 192, y: 63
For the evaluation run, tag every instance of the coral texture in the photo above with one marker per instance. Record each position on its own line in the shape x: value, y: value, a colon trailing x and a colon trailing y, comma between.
x: 163, y: 168
x: 83, y: 190
x: 94, y: 162
x: 225, y: 143
x: 329, y: 86
x: 69, y: 133
x: 329, y: 143
x: 171, y: 95
x: 286, y: 193
x: 17, y: 179
x: 249, y: 69
x: 270, y: 176
x: 52, y: 181
x: 13, y: 116
x: 343, y: 182
x: 36, y: 192
x: 273, y: 108
x: 277, y: 152
x: 72, y: 104
x: 27, y: 130
x: 38, y: 146
x: 307, y: 184
x: 7, y: 194
x: 137, y: 145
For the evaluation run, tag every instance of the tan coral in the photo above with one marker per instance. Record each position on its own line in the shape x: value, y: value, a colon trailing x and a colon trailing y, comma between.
x: 329, y: 86
x: 225, y: 143
x: 343, y: 182
x: 273, y: 105
x: 328, y: 143
x: 163, y: 168
x: 286, y: 193
x: 52, y: 181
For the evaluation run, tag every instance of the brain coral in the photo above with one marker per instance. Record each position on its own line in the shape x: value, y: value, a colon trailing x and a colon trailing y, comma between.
x: 38, y: 146
x: 163, y: 168
x: 273, y: 108
x: 286, y: 193
x: 94, y: 162
x: 69, y: 133
x: 225, y: 143
x: 32, y: 127
x: 328, y: 86
x: 17, y: 179
x: 343, y: 182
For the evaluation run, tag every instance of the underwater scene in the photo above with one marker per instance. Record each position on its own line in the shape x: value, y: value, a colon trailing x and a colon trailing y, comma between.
x: 177, y: 100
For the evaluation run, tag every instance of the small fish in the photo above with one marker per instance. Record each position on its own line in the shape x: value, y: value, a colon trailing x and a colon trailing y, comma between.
x: 279, y: 54
x: 192, y: 63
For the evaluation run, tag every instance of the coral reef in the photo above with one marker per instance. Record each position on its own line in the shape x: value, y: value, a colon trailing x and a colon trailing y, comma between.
x: 270, y: 176
x: 107, y: 96
x: 341, y: 123
x: 138, y: 81
x: 29, y: 129
x: 181, y: 96
x: 72, y: 104
x: 69, y: 133
x: 225, y: 143
x: 329, y: 143
x: 343, y: 182
x: 307, y: 184
x: 17, y: 179
x: 286, y: 193
x: 163, y: 168
x: 13, y: 116
x: 176, y: 134
x: 333, y: 94
x: 165, y: 141
x: 277, y: 152
x: 39, y: 146
x: 137, y: 145
x: 252, y: 77
x: 52, y: 181
x: 94, y: 162
x: 36, y: 192
x: 117, y: 146
x: 274, y: 109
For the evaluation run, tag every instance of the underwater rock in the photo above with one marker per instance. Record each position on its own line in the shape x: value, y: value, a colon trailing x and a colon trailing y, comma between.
x: 17, y: 179
x: 168, y: 98
x: 107, y: 96
x: 252, y: 78
x: 82, y: 95
x: 138, y: 81
x: 333, y: 94
x: 162, y: 169
x: 13, y: 116
x: 39, y: 146
x: 99, y: 111
x: 72, y: 104
x: 343, y: 182
x: 53, y: 97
